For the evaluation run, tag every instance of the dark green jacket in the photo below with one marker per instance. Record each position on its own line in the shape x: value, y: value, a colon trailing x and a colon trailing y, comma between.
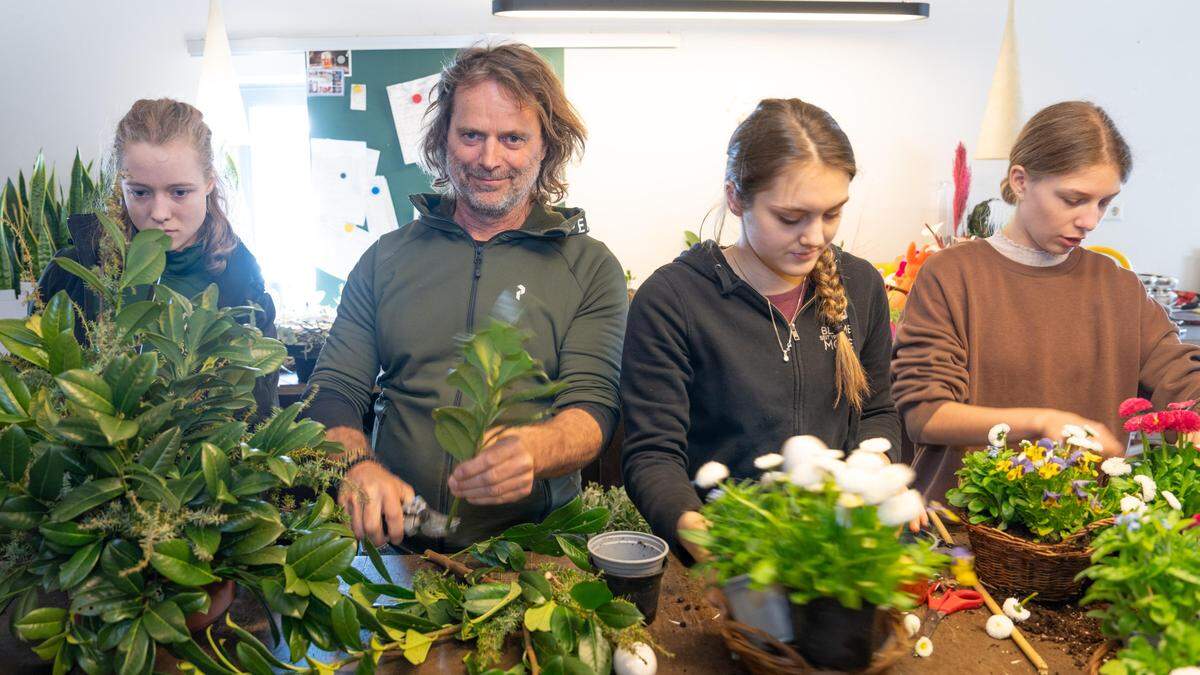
x: 417, y: 288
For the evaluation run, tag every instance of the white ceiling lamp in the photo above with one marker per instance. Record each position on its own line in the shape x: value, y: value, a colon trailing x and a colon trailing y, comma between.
x: 756, y: 10
x: 219, y: 97
x: 1002, y: 116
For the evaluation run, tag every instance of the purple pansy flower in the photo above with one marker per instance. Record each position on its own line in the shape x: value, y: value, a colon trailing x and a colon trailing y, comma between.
x: 1080, y: 487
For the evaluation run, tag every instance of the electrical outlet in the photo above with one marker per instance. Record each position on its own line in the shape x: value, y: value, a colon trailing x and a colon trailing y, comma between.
x: 1116, y: 211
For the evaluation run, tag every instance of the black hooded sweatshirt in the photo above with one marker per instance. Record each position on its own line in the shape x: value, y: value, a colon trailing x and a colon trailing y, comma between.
x: 703, y: 378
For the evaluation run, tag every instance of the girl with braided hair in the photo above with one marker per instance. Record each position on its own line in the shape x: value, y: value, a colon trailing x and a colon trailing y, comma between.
x: 729, y: 352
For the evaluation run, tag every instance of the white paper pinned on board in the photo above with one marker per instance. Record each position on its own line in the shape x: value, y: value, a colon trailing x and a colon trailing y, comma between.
x: 358, y: 97
x: 341, y: 246
x: 381, y: 215
x: 409, y: 101
x: 348, y: 193
x: 340, y: 179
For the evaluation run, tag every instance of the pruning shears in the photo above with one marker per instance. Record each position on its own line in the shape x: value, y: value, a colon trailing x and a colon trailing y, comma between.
x: 950, y: 601
x: 422, y: 519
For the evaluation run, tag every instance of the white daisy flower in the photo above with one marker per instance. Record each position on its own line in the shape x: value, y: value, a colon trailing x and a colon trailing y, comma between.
x: 902, y: 508
x: 875, y: 445
x: 998, y: 434
x: 710, y: 474
x: 924, y: 647
x: 1092, y: 433
x: 912, y: 624
x: 849, y: 500
x: 1149, y: 487
x: 1115, y: 466
x: 1086, y: 443
x: 774, y: 477
x: 1014, y: 610
x: 999, y: 626
x: 1172, y: 500
x: 1186, y: 670
x: 863, y: 459
x: 1071, y: 430
x: 772, y: 460
x: 1131, y: 504
x: 887, y: 482
x: 799, y: 450
x: 807, y: 476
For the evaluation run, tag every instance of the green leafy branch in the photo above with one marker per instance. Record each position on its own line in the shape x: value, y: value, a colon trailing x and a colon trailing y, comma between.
x: 502, y: 383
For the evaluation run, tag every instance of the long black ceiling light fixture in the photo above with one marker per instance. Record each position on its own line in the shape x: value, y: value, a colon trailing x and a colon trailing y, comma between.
x: 760, y: 10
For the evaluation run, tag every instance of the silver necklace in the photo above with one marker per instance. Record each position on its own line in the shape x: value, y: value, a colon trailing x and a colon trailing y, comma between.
x: 785, y: 350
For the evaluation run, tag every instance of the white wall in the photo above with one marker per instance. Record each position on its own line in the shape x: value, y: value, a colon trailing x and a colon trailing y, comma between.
x: 659, y: 119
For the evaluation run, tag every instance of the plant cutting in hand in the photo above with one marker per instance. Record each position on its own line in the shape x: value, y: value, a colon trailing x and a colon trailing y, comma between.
x: 502, y: 384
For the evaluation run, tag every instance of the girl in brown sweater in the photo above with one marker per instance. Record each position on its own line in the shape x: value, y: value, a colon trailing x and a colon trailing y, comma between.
x: 1027, y: 328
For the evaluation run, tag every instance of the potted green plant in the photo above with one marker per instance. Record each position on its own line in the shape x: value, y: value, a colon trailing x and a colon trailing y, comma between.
x: 130, y: 483
x: 823, y: 532
x: 1031, y: 511
x: 304, y: 336
x: 33, y: 223
x: 1145, y: 584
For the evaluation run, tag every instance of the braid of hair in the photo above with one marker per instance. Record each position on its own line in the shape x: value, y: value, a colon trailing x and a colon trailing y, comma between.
x: 849, y: 376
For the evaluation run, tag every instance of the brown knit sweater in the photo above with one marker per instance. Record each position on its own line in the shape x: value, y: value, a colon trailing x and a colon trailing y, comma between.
x: 1081, y: 336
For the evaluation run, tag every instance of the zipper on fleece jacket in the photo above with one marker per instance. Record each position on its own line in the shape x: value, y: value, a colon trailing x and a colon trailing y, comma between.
x: 447, y: 462
x: 795, y: 356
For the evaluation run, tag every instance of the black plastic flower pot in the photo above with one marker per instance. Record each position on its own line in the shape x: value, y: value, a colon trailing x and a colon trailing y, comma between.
x: 633, y: 564
x: 829, y: 635
x: 306, y: 360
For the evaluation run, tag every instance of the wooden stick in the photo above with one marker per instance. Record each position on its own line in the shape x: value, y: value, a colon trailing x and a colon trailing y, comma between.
x: 1031, y: 653
x: 533, y: 664
x: 448, y: 562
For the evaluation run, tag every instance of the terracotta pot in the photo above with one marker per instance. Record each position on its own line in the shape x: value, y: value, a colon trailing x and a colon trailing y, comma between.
x: 221, y: 593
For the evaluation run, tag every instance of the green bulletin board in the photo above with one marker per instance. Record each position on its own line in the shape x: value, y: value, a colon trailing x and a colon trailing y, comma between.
x: 331, y: 117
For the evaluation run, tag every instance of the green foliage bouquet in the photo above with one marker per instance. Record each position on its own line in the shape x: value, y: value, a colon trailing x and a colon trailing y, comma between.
x: 131, y: 482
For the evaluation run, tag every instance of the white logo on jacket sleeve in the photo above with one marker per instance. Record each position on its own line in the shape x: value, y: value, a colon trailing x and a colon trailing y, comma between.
x: 520, y: 290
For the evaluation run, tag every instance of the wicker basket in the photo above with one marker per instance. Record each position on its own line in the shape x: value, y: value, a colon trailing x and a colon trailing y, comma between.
x: 1099, y: 655
x: 1016, y: 566
x: 763, y: 654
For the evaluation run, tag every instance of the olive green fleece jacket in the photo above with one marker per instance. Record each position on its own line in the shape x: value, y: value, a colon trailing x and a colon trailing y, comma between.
x: 417, y: 288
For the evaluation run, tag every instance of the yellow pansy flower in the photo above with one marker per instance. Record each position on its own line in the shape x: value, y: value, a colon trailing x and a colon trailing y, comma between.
x: 1049, y: 470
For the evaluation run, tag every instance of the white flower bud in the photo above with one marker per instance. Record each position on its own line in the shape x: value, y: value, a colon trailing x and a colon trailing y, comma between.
x: 875, y: 445
x: 1014, y: 610
x: 768, y: 461
x: 912, y: 624
x: 1115, y: 466
x: 998, y: 434
x: 710, y: 474
x: 999, y: 626
x: 1173, y: 501
x: 902, y: 508
x: 1149, y: 487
